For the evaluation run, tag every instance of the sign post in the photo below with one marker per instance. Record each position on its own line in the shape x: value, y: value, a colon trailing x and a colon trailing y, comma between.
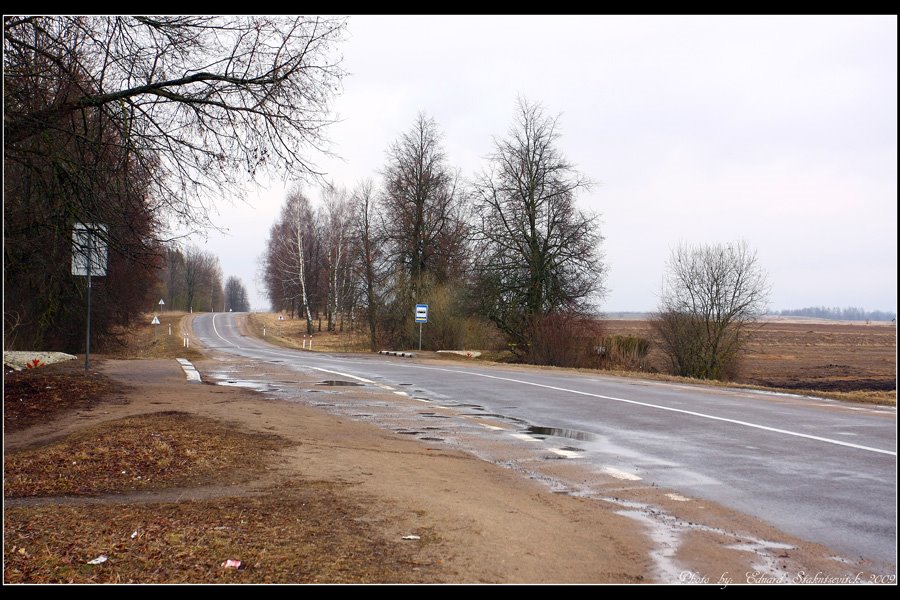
x: 421, y: 317
x: 89, y: 254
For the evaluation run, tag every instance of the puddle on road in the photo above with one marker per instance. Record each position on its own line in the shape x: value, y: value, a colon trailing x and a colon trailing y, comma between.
x: 572, y: 449
x: 258, y: 386
x: 572, y: 434
x: 496, y: 416
x: 431, y: 439
x: 338, y: 382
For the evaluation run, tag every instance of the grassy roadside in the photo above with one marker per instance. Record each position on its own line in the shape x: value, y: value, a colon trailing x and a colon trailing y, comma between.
x: 148, y: 452
x: 156, y: 341
x: 290, y: 333
x: 35, y: 396
x: 299, y: 532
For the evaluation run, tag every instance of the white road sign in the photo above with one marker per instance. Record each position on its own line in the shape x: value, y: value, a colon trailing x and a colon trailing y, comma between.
x: 89, y: 245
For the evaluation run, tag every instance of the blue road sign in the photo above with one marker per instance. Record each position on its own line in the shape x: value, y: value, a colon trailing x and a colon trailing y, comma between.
x: 421, y: 313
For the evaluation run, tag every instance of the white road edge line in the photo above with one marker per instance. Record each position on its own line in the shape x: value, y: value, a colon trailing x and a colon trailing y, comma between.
x: 675, y: 410
x: 614, y: 399
x: 363, y: 379
x: 219, y: 334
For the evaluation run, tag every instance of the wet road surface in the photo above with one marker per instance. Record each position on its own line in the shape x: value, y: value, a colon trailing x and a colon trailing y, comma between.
x: 821, y: 470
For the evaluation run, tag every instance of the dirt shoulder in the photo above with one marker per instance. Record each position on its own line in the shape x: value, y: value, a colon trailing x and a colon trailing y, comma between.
x: 339, y: 494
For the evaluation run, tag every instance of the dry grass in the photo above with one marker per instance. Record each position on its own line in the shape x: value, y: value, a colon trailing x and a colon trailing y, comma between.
x: 138, y: 453
x: 154, y: 341
x: 290, y: 332
x: 301, y: 532
x: 295, y: 531
x: 36, y: 396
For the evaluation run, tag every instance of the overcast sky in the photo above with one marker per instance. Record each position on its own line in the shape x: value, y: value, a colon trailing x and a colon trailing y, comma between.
x: 778, y: 130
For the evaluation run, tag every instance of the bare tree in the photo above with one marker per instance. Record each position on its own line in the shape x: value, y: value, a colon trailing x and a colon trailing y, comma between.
x: 294, y: 248
x: 424, y: 211
x: 711, y: 297
x: 335, y: 221
x: 367, y: 249
x: 538, y: 254
x: 200, y: 102
x: 134, y: 122
x: 236, y: 295
x: 173, y: 278
x: 202, y: 280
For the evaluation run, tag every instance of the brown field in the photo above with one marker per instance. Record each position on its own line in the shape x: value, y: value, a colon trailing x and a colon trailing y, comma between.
x: 838, y: 359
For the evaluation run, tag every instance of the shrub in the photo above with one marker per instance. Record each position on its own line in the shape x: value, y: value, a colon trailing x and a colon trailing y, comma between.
x: 564, y: 340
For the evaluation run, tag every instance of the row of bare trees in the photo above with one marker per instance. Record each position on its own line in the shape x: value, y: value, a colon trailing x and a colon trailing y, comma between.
x: 192, y: 281
x: 493, y: 256
x: 307, y: 264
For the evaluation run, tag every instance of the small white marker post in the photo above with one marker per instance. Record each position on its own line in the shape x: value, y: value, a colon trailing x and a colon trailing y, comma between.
x: 264, y: 332
x: 304, y: 342
x: 310, y: 342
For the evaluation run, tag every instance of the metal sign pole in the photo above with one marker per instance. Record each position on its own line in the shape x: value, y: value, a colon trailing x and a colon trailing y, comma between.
x: 420, y: 337
x: 87, y: 351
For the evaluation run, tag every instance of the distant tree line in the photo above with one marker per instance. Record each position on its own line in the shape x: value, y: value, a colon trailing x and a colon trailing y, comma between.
x: 191, y: 280
x: 850, y: 313
x: 504, y: 259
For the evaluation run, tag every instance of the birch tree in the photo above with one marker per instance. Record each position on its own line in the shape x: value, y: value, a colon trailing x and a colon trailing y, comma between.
x: 298, y: 237
x: 369, y: 256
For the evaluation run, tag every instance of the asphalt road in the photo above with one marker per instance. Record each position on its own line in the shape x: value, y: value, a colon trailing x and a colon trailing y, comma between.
x: 821, y: 470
